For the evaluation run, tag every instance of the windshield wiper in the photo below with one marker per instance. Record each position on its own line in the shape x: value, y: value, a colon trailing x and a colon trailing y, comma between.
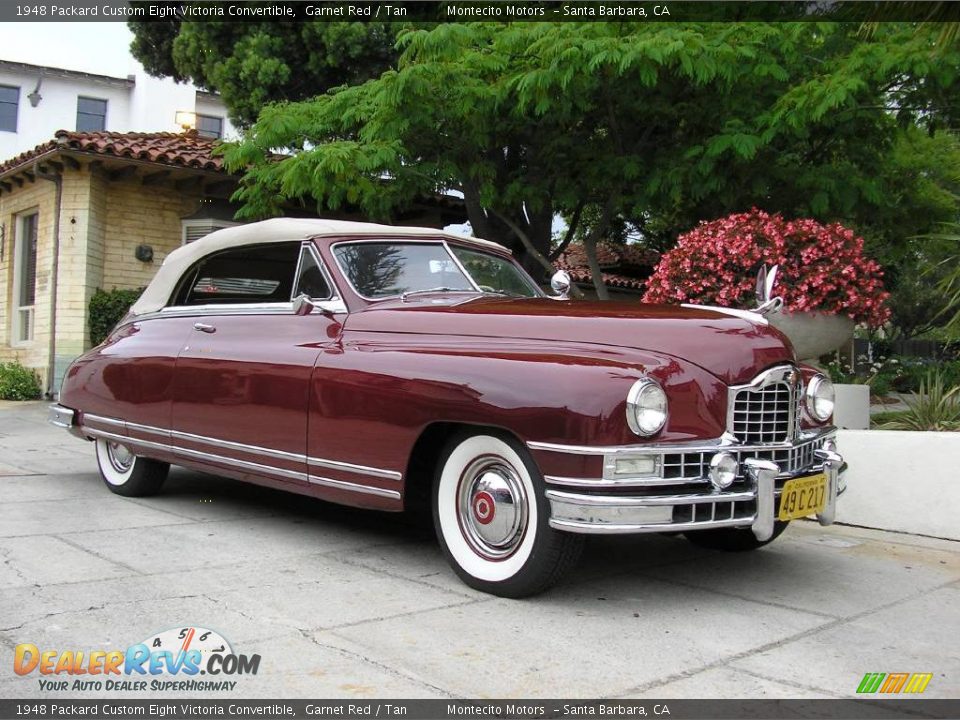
x: 409, y: 293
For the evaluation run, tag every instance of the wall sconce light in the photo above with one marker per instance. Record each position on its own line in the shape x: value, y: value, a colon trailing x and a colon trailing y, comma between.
x: 35, y: 97
x: 144, y: 253
x: 186, y: 120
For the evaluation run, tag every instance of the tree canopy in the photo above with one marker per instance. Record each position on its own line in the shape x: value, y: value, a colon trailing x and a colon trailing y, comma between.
x: 252, y: 64
x: 652, y: 125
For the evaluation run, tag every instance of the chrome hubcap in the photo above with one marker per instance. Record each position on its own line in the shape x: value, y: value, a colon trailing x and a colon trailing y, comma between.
x: 492, y: 507
x: 120, y: 457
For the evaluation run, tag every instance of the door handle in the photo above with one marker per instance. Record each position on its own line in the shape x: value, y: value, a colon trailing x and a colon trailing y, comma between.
x: 203, y: 327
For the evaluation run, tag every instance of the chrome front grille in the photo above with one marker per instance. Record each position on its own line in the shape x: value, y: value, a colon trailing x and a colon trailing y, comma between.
x: 767, y: 410
x: 764, y: 415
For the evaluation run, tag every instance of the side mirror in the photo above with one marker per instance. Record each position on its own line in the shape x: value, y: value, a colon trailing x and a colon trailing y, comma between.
x: 560, y: 283
x: 302, y: 305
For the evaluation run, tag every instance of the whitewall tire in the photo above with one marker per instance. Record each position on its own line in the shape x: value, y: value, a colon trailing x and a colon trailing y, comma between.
x: 491, y: 517
x: 126, y: 473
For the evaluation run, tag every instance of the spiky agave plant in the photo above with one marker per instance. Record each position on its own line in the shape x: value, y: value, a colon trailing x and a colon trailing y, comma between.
x: 935, y: 407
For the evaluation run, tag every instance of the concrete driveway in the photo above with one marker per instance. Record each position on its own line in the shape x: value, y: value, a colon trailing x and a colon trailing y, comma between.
x: 349, y: 604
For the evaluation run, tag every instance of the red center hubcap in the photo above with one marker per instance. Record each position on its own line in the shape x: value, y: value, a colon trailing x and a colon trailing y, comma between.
x: 483, y: 507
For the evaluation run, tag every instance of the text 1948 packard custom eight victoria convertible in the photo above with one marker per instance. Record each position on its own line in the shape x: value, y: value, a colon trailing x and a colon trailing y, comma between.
x: 383, y: 366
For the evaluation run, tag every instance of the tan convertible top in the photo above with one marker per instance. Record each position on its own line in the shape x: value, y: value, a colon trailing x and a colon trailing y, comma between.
x: 276, y: 230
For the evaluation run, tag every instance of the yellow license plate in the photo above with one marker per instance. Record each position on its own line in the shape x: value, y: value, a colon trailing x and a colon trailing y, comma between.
x: 803, y: 496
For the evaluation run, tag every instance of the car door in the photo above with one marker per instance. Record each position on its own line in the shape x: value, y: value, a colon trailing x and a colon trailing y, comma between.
x: 241, y: 383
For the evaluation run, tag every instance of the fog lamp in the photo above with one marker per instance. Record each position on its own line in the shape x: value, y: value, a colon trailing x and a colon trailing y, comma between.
x: 723, y: 470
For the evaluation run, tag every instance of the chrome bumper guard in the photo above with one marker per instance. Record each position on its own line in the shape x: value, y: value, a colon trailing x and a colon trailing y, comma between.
x: 64, y: 418
x: 752, y: 504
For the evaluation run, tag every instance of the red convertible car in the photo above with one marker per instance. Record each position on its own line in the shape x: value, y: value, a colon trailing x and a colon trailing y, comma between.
x: 393, y: 368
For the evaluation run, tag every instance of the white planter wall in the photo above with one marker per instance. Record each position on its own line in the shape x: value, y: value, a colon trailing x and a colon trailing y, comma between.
x: 852, y: 409
x: 899, y: 480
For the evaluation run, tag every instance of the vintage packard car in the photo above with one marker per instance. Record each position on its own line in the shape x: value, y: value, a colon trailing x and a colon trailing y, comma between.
x: 398, y: 368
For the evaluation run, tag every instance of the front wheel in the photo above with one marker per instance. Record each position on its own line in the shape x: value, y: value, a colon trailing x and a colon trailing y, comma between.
x: 491, y: 517
x: 127, y: 474
x: 733, y: 539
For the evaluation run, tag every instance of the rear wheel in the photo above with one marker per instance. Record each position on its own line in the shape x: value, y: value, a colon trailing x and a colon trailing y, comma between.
x: 126, y: 473
x: 491, y: 516
x: 733, y: 539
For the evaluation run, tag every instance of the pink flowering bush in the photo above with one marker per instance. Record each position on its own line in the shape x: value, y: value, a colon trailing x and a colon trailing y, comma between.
x: 822, y: 267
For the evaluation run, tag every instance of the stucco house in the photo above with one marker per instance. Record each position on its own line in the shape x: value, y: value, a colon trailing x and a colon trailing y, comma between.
x: 90, y: 210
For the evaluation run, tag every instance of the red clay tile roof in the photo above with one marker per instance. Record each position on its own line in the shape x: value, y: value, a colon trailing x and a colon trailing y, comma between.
x: 187, y: 150
x: 630, y: 265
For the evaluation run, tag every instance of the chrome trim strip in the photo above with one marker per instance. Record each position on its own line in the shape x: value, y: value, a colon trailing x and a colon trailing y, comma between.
x: 259, y: 450
x: 725, y: 441
x: 256, y: 450
x: 344, y: 485
x: 627, y: 482
x: 243, y: 464
x: 124, y: 439
x: 242, y: 447
x: 148, y: 429
x: 652, y: 501
x: 257, y: 467
x: 104, y: 420
x: 359, y: 469
x: 587, y: 528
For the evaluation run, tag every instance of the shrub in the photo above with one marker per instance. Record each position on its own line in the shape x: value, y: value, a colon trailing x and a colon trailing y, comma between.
x: 107, y: 308
x: 18, y: 382
x: 936, y: 407
x: 822, y: 267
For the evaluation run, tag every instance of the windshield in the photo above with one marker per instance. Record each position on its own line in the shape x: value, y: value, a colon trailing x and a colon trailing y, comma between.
x: 495, y: 274
x: 387, y: 269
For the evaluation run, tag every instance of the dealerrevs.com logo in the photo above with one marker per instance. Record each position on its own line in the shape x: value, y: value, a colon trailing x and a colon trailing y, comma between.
x: 171, y: 660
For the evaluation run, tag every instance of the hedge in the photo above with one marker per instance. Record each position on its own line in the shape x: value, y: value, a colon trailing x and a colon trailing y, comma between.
x: 107, y: 308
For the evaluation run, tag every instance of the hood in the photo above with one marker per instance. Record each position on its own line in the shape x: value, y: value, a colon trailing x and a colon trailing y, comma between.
x: 733, y: 349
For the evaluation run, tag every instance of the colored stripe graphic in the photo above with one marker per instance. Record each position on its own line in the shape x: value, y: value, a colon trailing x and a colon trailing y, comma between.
x: 918, y: 682
x: 871, y: 682
x: 894, y: 682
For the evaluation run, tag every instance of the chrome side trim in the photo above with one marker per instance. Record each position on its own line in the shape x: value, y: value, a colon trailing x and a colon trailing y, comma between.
x: 253, y: 449
x: 104, y: 420
x: 350, y: 467
x: 150, y: 445
x: 242, y: 447
x: 724, y: 441
x: 243, y: 464
x: 344, y: 485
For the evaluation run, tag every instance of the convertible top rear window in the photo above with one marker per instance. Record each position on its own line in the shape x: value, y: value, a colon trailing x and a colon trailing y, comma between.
x: 248, y: 274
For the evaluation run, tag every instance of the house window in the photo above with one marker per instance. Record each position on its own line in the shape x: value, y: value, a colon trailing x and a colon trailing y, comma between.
x: 24, y: 278
x: 9, y: 102
x: 210, y: 126
x: 91, y: 114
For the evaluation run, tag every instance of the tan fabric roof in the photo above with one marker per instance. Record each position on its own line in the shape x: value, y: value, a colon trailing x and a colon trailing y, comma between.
x: 276, y: 230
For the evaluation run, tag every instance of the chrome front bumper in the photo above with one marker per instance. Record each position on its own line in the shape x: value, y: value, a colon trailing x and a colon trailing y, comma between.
x: 602, y: 506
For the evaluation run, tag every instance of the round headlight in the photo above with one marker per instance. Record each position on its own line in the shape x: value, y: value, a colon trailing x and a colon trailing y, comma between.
x: 646, y: 407
x: 819, y: 398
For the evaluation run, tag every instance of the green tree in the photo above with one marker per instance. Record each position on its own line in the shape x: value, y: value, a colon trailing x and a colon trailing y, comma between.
x: 654, y: 125
x: 252, y: 64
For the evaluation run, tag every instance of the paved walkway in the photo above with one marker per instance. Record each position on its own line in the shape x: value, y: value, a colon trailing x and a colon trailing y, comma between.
x: 349, y: 604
